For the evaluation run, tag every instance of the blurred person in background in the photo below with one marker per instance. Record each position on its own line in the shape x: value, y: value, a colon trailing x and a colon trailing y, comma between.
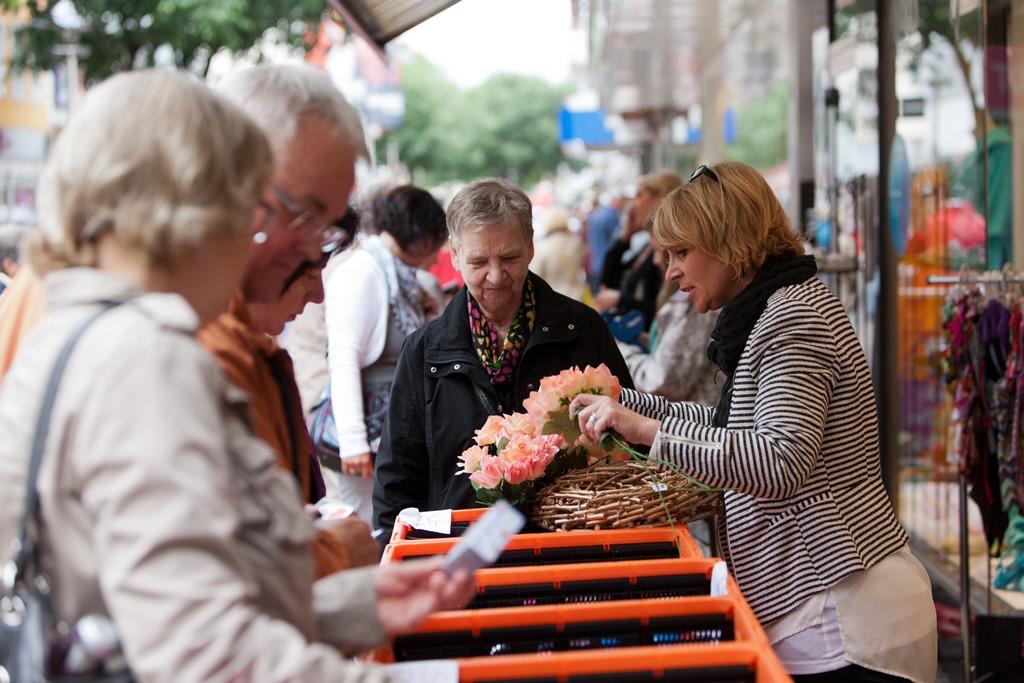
x: 601, y: 227
x: 158, y: 508
x: 631, y: 278
x: 677, y: 365
x: 372, y: 304
x: 503, y: 332
x: 11, y: 237
x: 305, y: 339
x: 559, y: 254
x: 317, y: 136
x: 22, y: 302
x: 447, y: 275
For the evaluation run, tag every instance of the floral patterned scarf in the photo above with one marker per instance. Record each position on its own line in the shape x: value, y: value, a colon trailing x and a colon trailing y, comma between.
x: 502, y: 359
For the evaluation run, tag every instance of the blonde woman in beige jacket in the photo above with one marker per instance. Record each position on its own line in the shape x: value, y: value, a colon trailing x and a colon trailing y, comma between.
x: 558, y: 255
x: 158, y: 508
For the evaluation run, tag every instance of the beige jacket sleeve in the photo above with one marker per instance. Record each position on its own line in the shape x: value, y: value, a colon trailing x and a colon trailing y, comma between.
x: 344, y: 605
x: 170, y: 514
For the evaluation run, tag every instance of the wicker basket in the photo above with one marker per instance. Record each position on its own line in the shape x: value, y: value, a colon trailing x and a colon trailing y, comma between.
x: 622, y: 495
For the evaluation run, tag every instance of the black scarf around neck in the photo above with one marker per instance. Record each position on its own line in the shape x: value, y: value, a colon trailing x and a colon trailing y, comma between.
x: 738, y: 317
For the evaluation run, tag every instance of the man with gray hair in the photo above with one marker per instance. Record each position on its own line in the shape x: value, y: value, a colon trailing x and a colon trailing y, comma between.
x: 316, y: 136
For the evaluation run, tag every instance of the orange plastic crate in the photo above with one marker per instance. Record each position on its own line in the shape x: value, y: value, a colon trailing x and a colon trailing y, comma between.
x: 574, y: 547
x: 461, y: 519
x: 725, y: 663
x: 558, y: 628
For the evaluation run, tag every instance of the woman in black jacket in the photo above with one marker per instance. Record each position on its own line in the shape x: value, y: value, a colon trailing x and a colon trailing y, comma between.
x: 503, y: 332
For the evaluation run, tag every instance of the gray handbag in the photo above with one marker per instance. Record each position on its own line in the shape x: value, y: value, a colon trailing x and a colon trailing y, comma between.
x: 35, y: 646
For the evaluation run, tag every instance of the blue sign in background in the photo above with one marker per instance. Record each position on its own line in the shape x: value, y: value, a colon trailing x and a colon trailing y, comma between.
x: 587, y: 126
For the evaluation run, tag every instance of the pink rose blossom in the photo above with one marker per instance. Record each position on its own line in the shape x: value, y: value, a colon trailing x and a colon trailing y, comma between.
x: 471, y: 458
x: 519, y: 447
x: 542, y: 402
x: 517, y: 472
x: 519, y: 423
x: 490, y: 433
x: 549, y: 444
x: 538, y: 464
x: 602, y: 379
x: 490, y: 473
x: 567, y: 383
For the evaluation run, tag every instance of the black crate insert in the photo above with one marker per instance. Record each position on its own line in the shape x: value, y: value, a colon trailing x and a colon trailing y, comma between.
x: 592, y: 590
x: 704, y: 674
x: 587, y: 635
x: 586, y: 554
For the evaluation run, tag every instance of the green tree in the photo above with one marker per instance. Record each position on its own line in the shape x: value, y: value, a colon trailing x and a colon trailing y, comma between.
x: 762, y: 130
x: 116, y: 35
x: 514, y: 120
x: 506, y: 126
x: 427, y: 136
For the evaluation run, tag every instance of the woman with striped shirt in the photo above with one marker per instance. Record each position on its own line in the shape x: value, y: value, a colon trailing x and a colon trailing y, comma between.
x: 808, y: 530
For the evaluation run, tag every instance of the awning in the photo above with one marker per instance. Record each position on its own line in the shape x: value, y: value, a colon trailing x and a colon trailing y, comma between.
x: 381, y: 21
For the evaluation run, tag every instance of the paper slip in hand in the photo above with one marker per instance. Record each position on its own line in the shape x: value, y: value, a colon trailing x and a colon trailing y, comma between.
x: 429, y: 671
x: 438, y: 521
x: 483, y: 542
x: 332, y: 508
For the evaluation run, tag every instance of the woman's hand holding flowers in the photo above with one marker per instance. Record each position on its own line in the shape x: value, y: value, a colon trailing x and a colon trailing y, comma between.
x: 599, y: 414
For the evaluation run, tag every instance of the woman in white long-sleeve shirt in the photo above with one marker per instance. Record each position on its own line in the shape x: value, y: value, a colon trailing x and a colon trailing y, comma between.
x: 372, y: 305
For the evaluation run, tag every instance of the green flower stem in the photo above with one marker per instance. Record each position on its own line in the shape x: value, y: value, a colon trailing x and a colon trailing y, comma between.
x: 619, y: 443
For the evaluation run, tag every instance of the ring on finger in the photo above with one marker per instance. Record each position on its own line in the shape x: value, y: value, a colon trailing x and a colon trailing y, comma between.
x: 592, y: 420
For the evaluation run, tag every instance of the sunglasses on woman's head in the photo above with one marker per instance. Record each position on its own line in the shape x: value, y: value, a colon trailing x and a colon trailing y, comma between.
x: 703, y: 170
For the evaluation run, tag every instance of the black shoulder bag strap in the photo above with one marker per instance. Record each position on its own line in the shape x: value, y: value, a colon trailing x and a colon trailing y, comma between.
x: 25, y: 546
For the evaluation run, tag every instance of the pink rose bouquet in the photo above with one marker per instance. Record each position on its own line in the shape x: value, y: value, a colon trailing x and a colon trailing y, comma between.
x: 515, y: 455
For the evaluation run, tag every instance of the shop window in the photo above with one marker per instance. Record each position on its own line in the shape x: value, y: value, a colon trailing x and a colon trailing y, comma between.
x: 961, y: 115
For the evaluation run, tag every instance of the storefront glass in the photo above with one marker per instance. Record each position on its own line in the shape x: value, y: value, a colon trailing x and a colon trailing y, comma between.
x: 952, y: 181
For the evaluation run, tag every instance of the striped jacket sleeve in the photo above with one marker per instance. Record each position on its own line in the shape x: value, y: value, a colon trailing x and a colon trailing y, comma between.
x: 793, y: 361
x: 659, y: 407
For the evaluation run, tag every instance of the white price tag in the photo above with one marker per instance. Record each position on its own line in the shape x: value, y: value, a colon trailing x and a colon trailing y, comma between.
x: 719, y: 580
x: 659, y: 486
x: 429, y: 671
x: 437, y: 521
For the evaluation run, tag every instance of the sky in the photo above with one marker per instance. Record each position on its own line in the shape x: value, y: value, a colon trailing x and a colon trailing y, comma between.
x: 475, y: 39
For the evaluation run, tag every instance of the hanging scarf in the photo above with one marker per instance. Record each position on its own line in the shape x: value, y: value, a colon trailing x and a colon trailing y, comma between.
x: 405, y: 296
x: 737, y: 318
x: 501, y: 359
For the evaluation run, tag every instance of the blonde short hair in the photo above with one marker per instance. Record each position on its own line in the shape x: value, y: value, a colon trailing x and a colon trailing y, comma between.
x: 488, y: 202
x: 659, y: 184
x: 155, y: 158
x: 737, y: 219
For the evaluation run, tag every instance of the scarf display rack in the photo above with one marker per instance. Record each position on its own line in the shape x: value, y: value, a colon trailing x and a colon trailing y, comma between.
x: 973, y: 323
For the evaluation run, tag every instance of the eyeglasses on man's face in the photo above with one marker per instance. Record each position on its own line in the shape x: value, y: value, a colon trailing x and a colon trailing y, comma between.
x: 703, y: 170
x: 333, y: 236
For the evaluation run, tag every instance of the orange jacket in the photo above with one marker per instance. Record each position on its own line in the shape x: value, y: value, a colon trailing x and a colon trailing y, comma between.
x: 250, y: 358
x: 21, y: 306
